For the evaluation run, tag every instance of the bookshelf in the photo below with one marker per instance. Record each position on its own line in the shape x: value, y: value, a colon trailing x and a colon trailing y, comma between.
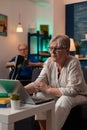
x: 40, y: 40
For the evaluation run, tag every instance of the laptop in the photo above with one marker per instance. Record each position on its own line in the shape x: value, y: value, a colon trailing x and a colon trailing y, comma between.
x: 14, y: 86
x: 19, y: 60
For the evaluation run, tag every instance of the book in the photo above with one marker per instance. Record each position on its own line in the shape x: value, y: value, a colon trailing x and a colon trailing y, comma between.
x: 4, y: 100
x: 3, y: 95
x: 4, y: 105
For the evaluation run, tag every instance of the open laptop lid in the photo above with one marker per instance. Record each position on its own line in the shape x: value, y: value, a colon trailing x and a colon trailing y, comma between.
x: 19, y: 60
x: 7, y: 87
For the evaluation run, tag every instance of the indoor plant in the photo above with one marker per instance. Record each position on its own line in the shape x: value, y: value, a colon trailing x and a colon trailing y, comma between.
x: 15, y: 101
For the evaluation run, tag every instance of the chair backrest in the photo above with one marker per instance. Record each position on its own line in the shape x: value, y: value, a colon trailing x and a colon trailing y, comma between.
x: 35, y: 73
x: 85, y: 74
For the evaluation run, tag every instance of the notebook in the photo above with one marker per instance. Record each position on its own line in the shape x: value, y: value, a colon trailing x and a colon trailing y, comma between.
x: 15, y: 86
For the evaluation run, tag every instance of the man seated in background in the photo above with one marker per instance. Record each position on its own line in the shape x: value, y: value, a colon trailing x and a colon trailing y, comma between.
x: 24, y: 72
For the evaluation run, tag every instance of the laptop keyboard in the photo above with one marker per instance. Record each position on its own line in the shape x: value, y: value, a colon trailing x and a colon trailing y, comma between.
x: 39, y: 100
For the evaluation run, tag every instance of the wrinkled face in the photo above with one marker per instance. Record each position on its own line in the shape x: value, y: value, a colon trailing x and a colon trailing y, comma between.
x: 57, y: 53
x: 23, y: 50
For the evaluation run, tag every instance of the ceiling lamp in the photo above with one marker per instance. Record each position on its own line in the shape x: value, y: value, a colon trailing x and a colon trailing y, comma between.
x: 19, y: 27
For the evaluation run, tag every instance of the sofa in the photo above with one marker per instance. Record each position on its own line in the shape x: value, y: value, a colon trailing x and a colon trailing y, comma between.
x: 77, y: 119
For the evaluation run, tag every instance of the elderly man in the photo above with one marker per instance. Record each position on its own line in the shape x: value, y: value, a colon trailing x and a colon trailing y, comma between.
x: 26, y: 71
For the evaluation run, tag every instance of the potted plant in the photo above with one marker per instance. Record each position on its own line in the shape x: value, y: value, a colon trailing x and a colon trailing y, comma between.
x: 15, y: 101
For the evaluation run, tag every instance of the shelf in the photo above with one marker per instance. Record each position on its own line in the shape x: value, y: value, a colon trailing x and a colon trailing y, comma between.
x: 82, y: 40
x: 40, y: 38
x: 82, y: 58
x: 44, y: 53
x: 36, y: 34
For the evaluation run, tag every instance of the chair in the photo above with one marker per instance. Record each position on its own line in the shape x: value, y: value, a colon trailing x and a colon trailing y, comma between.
x: 35, y: 73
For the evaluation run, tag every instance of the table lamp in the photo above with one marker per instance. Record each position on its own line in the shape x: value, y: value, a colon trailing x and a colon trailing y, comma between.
x: 72, y: 47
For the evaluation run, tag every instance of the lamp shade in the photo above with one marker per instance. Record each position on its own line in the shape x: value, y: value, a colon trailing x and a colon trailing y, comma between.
x: 72, y: 45
x: 19, y: 28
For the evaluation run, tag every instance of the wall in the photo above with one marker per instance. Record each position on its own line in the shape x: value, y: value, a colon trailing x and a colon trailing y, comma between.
x: 51, y: 15
x: 30, y: 12
x: 44, y: 16
x: 8, y: 47
x: 58, y: 17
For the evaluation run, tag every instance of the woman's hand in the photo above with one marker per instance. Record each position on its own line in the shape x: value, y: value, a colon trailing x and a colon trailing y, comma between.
x: 31, y: 88
x: 40, y: 86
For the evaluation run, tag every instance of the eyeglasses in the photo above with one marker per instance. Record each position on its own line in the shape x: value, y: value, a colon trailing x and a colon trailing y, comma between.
x: 56, y: 48
x: 24, y: 49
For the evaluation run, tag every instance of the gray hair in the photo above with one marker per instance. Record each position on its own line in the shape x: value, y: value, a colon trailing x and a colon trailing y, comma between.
x: 62, y: 40
x: 23, y: 45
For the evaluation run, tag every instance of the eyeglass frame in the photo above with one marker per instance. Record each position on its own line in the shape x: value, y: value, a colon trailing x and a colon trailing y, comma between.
x: 24, y: 49
x: 56, y: 48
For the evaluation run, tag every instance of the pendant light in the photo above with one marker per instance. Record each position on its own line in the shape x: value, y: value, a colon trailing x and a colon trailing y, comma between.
x: 19, y: 27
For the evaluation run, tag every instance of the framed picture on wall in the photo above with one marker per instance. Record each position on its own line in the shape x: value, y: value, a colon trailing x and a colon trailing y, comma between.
x: 45, y: 29
x: 3, y: 25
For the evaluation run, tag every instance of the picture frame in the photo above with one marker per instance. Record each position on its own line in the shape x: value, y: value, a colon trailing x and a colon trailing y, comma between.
x: 44, y: 29
x: 3, y: 25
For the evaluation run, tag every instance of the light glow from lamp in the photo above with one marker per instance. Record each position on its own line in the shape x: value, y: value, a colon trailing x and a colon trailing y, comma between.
x: 72, y: 45
x: 19, y: 27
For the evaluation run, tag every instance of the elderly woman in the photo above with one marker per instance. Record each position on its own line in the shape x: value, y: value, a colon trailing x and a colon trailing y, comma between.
x: 62, y: 78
